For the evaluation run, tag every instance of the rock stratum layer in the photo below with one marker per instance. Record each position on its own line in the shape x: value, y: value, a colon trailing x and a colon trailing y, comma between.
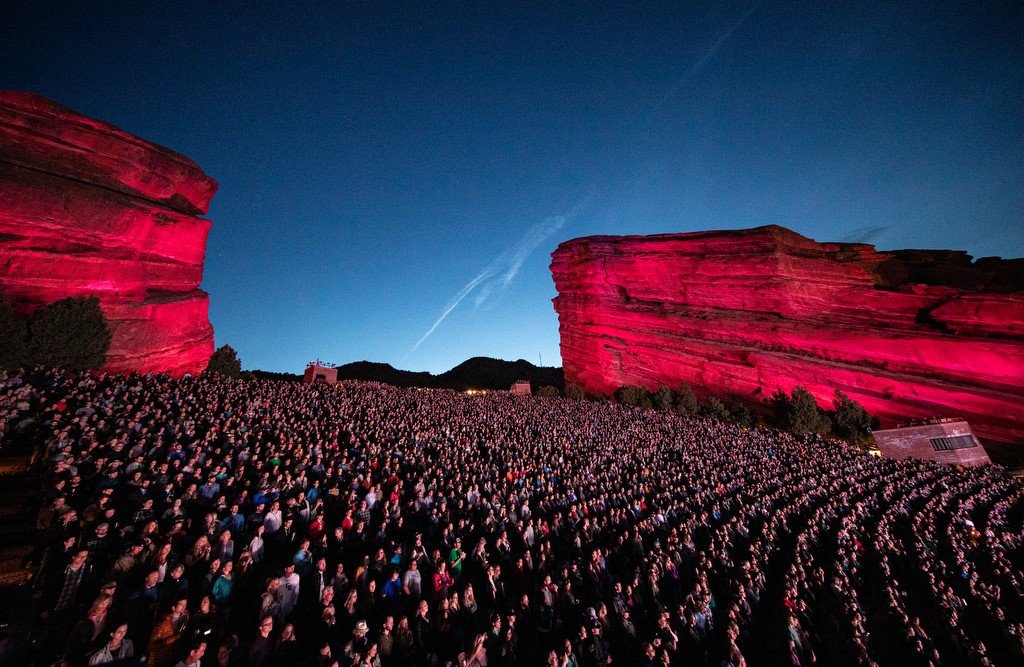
x: 739, y: 314
x: 87, y: 209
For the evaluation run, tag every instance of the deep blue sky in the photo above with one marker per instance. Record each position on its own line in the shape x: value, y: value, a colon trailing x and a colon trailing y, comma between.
x: 376, y: 164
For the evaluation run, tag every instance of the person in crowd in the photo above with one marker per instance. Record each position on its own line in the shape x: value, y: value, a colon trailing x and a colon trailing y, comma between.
x: 117, y: 650
x: 168, y: 634
x: 193, y: 656
x: 261, y: 649
x: 245, y: 521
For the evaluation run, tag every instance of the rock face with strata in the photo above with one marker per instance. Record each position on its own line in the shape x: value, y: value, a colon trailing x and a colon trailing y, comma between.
x: 87, y: 209
x: 740, y: 314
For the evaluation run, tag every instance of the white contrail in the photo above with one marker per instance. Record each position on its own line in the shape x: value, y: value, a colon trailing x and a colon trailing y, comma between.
x: 697, y: 66
x: 533, y: 238
x: 500, y: 272
x: 509, y: 262
x: 463, y: 293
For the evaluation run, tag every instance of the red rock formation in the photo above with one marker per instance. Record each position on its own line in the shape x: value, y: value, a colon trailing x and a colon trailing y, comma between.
x: 88, y: 209
x: 740, y: 314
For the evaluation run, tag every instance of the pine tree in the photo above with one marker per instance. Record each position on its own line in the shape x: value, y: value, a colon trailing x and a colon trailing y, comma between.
x: 13, y: 339
x: 70, y: 333
x: 225, y: 362
x: 664, y: 399
x: 743, y: 416
x: 635, y: 396
x: 715, y: 409
x: 780, y: 408
x: 805, y: 416
x: 849, y: 418
x: 575, y: 392
x: 686, y: 401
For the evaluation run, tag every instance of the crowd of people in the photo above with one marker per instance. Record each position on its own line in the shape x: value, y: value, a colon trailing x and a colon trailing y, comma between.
x: 209, y: 521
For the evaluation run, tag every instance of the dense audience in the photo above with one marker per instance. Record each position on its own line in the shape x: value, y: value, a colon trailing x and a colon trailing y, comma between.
x: 206, y: 521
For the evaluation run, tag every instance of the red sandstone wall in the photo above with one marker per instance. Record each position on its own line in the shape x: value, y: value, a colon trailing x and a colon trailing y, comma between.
x: 87, y: 209
x: 743, y: 313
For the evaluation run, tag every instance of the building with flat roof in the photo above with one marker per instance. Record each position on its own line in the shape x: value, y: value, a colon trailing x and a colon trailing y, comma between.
x: 317, y: 373
x: 942, y: 440
x: 521, y: 388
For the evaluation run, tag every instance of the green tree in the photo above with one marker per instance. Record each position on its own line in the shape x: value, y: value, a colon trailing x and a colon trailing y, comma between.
x: 805, y: 415
x: 13, y: 339
x: 780, y: 408
x: 70, y: 333
x: 743, y: 416
x: 575, y: 392
x: 849, y: 418
x: 686, y: 401
x: 225, y: 362
x: 664, y: 399
x: 547, y: 391
x: 715, y: 409
x: 635, y: 396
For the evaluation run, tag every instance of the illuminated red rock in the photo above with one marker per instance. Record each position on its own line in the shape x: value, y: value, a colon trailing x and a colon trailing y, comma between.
x: 38, y: 133
x: 740, y: 314
x: 87, y: 209
x: 165, y: 333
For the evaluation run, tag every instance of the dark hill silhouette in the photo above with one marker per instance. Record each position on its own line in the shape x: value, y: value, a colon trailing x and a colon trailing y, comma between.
x: 373, y: 371
x: 488, y: 373
x: 474, y: 373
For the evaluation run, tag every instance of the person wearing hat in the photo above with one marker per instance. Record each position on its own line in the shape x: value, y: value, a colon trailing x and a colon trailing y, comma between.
x: 494, y: 637
x: 596, y: 648
x: 360, y: 641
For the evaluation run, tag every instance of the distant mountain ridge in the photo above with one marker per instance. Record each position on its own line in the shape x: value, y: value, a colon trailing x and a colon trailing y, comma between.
x: 474, y: 373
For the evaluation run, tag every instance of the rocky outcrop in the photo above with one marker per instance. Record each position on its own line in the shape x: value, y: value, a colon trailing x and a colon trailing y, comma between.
x: 87, y: 209
x: 740, y: 314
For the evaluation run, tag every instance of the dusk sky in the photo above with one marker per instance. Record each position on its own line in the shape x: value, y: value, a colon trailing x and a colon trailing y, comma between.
x: 393, y: 178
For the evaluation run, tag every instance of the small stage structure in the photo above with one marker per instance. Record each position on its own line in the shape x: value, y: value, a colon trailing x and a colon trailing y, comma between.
x: 521, y: 388
x: 318, y: 372
x: 942, y: 440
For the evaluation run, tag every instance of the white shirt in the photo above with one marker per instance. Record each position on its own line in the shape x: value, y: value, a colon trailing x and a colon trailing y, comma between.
x: 288, y: 593
x: 256, y: 548
x: 272, y: 522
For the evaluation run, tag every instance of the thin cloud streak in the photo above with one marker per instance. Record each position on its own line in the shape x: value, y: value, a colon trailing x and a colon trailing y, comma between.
x: 865, y: 234
x: 533, y: 238
x: 463, y: 293
x: 699, y: 64
x: 503, y: 269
